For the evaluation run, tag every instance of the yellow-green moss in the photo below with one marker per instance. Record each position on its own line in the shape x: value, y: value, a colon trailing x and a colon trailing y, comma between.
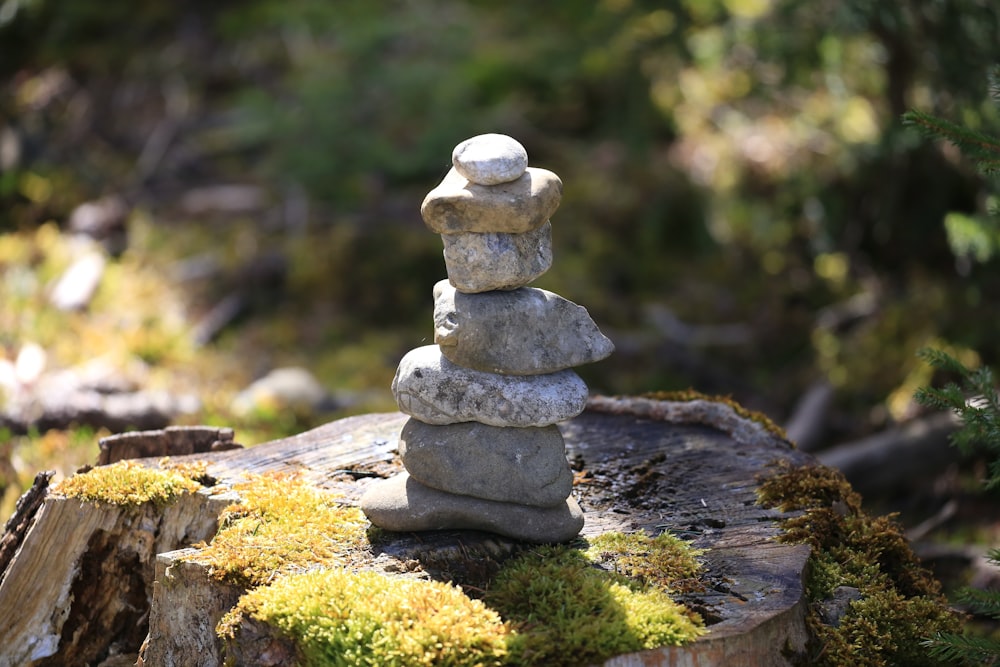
x: 196, y: 470
x: 282, y: 524
x: 339, y: 617
x: 549, y: 606
x: 664, y: 561
x: 686, y: 395
x: 565, y: 611
x: 901, y: 602
x: 127, y: 483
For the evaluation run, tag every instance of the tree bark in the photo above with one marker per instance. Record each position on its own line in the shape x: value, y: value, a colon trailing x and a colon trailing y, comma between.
x: 690, y: 468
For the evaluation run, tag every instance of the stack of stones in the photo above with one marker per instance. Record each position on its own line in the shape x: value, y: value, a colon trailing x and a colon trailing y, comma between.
x: 481, y: 449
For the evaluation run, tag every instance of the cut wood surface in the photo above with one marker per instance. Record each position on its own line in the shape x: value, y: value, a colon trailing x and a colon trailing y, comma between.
x: 692, y: 469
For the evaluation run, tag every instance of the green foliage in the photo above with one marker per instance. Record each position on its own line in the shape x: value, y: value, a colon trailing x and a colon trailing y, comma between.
x: 974, y: 399
x: 981, y: 147
x: 977, y: 237
x: 964, y: 649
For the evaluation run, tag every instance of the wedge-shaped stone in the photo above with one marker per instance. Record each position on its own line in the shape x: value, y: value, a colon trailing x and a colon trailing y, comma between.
x: 458, y: 205
x: 525, y: 331
x: 513, y: 465
x: 496, y: 261
x: 403, y: 504
x: 436, y: 391
x: 489, y: 159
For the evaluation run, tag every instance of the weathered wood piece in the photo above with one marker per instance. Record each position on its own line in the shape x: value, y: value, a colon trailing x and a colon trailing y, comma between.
x: 171, y: 441
x: 22, y: 519
x: 77, y: 590
x: 641, y: 465
x: 186, y: 598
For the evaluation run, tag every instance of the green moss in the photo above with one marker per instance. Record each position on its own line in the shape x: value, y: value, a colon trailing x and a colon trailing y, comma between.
x: 282, y: 524
x: 900, y: 600
x: 339, y: 617
x: 665, y: 561
x: 550, y: 606
x: 565, y: 611
x: 127, y: 483
x: 686, y: 395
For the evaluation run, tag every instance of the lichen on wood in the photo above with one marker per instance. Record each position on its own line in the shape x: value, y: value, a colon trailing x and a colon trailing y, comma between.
x: 692, y: 407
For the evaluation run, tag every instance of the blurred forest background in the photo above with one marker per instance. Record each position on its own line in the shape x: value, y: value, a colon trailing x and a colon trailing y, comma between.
x: 744, y: 212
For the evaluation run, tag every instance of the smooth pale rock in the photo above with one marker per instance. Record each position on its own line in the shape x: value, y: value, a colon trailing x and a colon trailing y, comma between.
x: 77, y: 286
x: 457, y: 205
x: 403, y: 504
x: 526, y: 331
x: 489, y: 159
x: 497, y: 261
x: 290, y: 388
x: 513, y: 465
x: 436, y: 391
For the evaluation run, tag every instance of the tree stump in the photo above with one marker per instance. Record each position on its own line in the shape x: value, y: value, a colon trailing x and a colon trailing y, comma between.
x: 87, y: 582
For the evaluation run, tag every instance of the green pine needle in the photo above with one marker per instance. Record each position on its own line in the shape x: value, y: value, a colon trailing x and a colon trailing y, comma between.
x: 976, y: 145
x: 975, y: 402
x: 985, y: 603
x: 962, y: 648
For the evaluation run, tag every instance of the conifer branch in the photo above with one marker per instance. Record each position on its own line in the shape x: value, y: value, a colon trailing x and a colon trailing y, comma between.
x: 980, y: 146
x: 960, y: 648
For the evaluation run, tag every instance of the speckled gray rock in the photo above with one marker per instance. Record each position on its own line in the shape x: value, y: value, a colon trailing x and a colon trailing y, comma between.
x: 401, y: 503
x: 489, y: 159
x: 512, y: 465
x: 497, y: 261
x: 526, y: 331
x: 525, y: 204
x: 436, y: 391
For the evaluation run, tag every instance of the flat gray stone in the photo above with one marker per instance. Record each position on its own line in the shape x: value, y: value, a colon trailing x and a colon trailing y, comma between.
x: 513, y: 465
x: 458, y: 205
x: 497, y: 261
x: 436, y: 391
x: 403, y: 504
x: 526, y: 331
x: 489, y: 159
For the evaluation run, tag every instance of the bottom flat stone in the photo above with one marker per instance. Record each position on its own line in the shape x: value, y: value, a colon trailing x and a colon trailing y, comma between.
x: 403, y: 504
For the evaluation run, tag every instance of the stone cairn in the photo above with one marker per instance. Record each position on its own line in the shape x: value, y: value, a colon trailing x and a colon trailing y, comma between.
x: 481, y: 448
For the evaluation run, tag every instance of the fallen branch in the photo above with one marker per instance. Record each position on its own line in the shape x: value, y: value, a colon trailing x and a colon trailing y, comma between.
x: 805, y: 425
x: 897, y: 456
x: 19, y: 522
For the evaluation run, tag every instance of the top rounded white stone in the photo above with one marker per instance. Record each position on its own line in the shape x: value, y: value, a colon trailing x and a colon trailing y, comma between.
x: 490, y: 159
